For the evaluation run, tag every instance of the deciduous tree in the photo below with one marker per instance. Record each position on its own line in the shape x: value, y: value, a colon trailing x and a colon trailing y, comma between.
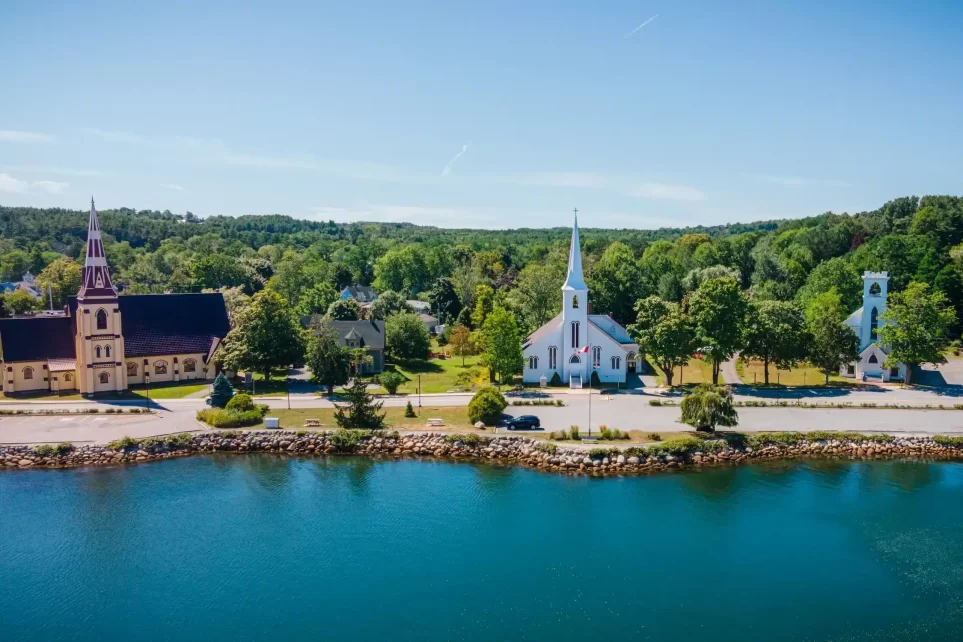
x: 328, y: 360
x: 916, y: 327
x: 344, y: 310
x: 63, y: 278
x: 775, y: 334
x: 267, y: 336
x: 664, y: 333
x: 503, y: 344
x: 717, y: 310
x: 832, y: 342
x: 709, y: 406
x: 406, y: 337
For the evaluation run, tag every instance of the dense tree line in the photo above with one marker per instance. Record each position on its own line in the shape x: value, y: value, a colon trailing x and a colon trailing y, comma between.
x: 774, y: 271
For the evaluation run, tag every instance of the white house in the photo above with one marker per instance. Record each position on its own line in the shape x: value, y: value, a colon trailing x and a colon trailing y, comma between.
x: 865, y: 322
x: 575, y: 343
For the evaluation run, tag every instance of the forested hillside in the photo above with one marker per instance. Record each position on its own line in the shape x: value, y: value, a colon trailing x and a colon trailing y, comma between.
x: 914, y: 239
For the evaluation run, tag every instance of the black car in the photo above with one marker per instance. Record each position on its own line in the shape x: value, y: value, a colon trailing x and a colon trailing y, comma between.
x: 525, y: 422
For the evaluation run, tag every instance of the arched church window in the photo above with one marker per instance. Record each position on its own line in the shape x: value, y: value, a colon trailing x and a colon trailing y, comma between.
x: 616, y: 363
x: 104, y: 377
x: 131, y: 368
x: 597, y: 357
x: 575, y: 359
x: 875, y: 290
x: 97, y: 352
x: 28, y: 373
x: 575, y: 341
x: 575, y: 301
x: 101, y: 319
x: 552, y: 357
x: 160, y: 367
x: 189, y: 365
x: 873, y: 324
x: 68, y: 377
x: 533, y: 363
x: 873, y: 359
x: 107, y: 351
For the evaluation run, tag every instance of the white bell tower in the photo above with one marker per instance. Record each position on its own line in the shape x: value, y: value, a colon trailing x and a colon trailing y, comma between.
x: 574, y: 314
x: 874, y: 305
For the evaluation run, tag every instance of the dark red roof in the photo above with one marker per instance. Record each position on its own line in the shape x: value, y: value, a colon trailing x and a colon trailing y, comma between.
x: 37, y: 338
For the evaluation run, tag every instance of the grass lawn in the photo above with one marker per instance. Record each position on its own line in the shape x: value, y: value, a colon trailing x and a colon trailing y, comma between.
x: 696, y: 371
x: 440, y: 375
x: 455, y: 418
x: 751, y: 373
x: 169, y: 390
x: 277, y: 386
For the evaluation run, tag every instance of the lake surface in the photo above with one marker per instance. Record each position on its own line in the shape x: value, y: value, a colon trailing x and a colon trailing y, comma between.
x: 259, y: 547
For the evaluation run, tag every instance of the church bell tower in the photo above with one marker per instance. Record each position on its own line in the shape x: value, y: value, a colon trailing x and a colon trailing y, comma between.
x: 100, y: 343
x: 574, y: 313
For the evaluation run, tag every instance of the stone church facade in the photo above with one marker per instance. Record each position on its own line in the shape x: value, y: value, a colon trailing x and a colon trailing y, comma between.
x: 103, y: 342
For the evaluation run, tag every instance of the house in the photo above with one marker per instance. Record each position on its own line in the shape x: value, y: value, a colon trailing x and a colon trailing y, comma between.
x: 430, y: 322
x: 28, y: 285
x: 368, y: 334
x: 418, y: 306
x: 865, y: 322
x: 360, y: 293
x: 575, y: 343
x: 106, y: 342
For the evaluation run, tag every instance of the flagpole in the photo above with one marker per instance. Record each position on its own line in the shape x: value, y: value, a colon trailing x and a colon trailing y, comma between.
x: 590, y: 404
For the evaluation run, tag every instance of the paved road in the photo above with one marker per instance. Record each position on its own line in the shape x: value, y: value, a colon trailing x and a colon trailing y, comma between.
x: 626, y: 412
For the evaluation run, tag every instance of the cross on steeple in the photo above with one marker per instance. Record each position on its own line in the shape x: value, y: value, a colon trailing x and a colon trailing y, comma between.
x: 576, y: 211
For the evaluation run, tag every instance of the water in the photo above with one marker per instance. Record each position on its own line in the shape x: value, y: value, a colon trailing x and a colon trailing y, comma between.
x: 258, y: 547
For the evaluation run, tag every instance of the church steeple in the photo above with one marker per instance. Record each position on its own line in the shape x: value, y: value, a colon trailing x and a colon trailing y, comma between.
x: 96, y: 277
x: 574, y: 281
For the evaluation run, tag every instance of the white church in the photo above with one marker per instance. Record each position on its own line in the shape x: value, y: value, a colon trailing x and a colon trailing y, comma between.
x: 576, y: 343
x: 865, y: 322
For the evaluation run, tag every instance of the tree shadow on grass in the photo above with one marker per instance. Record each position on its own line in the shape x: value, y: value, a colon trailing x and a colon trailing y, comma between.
x: 419, y: 366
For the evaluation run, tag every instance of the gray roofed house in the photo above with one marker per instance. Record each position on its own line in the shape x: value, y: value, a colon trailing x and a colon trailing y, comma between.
x: 358, y: 334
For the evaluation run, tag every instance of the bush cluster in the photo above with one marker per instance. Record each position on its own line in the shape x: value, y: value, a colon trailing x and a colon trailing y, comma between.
x: 955, y: 442
x: 486, y: 406
x: 469, y: 439
x: 538, y: 402
x: 612, y: 433
x: 234, y: 417
x: 123, y: 443
x: 546, y: 447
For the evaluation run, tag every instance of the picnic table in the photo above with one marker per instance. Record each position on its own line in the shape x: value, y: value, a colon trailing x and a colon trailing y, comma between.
x: 313, y: 423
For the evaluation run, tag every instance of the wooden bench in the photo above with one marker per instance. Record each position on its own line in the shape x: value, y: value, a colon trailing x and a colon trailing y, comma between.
x: 435, y: 423
x: 313, y: 423
x: 589, y: 440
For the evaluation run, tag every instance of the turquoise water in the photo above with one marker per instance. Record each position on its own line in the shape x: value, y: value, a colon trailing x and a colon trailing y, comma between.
x: 258, y: 547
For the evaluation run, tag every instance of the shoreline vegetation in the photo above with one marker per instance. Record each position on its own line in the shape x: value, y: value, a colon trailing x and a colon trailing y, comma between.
x: 676, y: 454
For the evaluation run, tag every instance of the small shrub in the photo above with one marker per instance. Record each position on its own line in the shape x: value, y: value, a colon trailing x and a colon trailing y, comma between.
x: 599, y: 453
x: 300, y: 433
x: 952, y: 442
x: 654, y: 436
x: 410, y: 411
x: 63, y: 449
x: 469, y: 439
x: 43, y: 450
x: 217, y: 418
x: 556, y: 380
x: 655, y: 402
x: 573, y: 433
x: 559, y: 402
x: 123, y: 443
x: 560, y: 435
x: 180, y: 440
x: 545, y: 447
x: 345, y: 441
x: 390, y: 381
x: 240, y: 403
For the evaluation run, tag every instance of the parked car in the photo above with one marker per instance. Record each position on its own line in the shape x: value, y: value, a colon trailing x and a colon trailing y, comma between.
x: 525, y: 422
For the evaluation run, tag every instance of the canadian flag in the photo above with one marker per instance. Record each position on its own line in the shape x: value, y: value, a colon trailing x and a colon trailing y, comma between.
x: 585, y: 349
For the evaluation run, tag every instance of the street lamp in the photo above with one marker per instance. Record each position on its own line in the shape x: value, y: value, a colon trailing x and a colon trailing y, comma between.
x: 419, y: 391
x: 147, y: 384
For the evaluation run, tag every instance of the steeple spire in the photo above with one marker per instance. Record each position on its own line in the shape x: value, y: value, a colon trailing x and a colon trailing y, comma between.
x: 96, y: 282
x: 575, y: 281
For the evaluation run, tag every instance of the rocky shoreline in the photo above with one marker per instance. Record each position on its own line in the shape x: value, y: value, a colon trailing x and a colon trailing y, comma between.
x: 532, y: 453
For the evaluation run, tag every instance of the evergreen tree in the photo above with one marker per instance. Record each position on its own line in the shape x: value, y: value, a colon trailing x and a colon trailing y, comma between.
x: 223, y: 391
x: 410, y: 411
x: 361, y: 410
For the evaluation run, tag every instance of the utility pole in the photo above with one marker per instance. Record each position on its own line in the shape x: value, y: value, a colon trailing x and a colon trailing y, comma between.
x: 419, y: 391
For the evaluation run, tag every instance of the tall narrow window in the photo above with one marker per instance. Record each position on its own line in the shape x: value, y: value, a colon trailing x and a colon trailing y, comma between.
x: 101, y: 320
x: 97, y: 352
x: 533, y: 363
x: 597, y: 357
x: 28, y: 373
x: 575, y: 301
x: 616, y: 363
x: 107, y: 351
x: 552, y: 357
x: 873, y: 324
x: 575, y: 342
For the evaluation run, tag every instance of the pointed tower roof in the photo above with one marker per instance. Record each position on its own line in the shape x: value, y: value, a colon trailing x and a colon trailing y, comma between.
x: 96, y: 277
x: 574, y: 281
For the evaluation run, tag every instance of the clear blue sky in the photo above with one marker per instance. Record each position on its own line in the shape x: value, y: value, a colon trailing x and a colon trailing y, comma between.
x: 712, y: 112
